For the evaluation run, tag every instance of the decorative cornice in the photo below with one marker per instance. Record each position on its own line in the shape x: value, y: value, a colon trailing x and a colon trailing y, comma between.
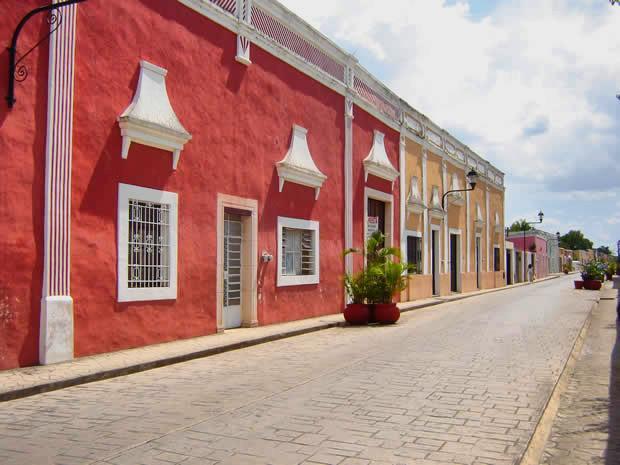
x: 435, y: 210
x: 434, y: 138
x: 298, y: 166
x: 377, y: 162
x: 498, y: 224
x: 149, y: 119
x: 479, y: 220
x: 456, y: 198
x: 415, y: 204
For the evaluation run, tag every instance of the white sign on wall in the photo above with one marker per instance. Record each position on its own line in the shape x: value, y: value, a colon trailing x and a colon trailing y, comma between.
x: 372, y: 225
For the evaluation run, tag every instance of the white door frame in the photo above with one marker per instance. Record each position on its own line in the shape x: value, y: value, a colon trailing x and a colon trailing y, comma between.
x: 478, y: 259
x: 459, y: 255
x: 436, y: 257
x: 249, y: 256
x: 388, y: 199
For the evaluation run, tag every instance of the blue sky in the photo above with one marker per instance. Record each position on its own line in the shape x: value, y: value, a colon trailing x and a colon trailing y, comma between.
x: 529, y: 85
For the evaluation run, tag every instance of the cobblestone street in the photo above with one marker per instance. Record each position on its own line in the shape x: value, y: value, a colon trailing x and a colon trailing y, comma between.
x: 586, y: 430
x: 464, y: 383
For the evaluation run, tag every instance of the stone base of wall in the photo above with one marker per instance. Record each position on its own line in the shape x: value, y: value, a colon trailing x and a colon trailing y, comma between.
x: 421, y: 286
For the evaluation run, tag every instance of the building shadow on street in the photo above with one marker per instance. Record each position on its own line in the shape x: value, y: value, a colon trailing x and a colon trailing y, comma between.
x: 612, y: 455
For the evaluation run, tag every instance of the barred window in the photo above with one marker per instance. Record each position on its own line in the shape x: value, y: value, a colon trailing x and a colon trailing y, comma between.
x: 297, y: 249
x: 298, y: 252
x: 414, y: 253
x: 496, y: 259
x: 147, y: 244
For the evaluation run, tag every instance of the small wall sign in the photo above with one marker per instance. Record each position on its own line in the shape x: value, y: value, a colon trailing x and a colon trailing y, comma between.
x: 372, y: 225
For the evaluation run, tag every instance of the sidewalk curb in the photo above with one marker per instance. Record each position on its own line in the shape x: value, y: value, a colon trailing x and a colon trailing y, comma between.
x: 535, y: 448
x: 144, y: 366
x: 447, y: 300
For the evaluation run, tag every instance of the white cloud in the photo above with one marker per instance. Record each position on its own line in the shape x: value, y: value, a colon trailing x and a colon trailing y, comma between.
x: 529, y: 85
x: 529, y: 61
x: 588, y: 195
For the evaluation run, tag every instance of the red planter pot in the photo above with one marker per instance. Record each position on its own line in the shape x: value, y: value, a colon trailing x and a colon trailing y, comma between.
x: 386, y: 314
x: 578, y: 284
x: 592, y: 284
x: 357, y: 314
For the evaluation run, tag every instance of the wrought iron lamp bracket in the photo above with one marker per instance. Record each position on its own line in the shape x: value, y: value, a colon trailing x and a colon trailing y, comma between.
x: 19, y: 72
x: 443, y: 197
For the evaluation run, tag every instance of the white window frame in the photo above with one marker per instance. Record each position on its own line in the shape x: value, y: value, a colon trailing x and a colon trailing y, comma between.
x: 295, y: 223
x: 125, y: 193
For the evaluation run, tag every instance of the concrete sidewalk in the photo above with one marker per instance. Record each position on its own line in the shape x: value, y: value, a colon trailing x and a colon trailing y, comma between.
x: 586, y: 430
x: 23, y: 382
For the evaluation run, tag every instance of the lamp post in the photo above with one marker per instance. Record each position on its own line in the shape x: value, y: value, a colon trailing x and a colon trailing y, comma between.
x: 540, y: 220
x: 557, y: 236
x: 472, y: 179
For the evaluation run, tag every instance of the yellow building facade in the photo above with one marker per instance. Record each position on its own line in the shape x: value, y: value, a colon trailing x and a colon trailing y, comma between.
x: 456, y: 243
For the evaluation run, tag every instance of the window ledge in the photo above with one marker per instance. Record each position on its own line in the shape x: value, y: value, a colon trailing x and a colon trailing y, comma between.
x: 284, y: 280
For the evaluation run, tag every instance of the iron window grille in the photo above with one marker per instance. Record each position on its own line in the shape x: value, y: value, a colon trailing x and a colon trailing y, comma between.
x: 414, y: 253
x: 496, y: 259
x: 298, y: 252
x: 148, y: 245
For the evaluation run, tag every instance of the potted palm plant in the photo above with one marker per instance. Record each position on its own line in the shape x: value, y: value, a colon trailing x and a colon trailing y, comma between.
x: 611, y: 270
x: 382, y: 279
x: 385, y: 280
x: 356, y: 312
x: 593, y: 275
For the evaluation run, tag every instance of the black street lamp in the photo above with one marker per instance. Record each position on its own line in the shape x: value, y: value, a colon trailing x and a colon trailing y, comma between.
x: 472, y: 179
x: 557, y: 236
x: 540, y: 220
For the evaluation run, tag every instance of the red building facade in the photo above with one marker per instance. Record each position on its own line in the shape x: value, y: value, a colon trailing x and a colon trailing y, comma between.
x: 172, y: 169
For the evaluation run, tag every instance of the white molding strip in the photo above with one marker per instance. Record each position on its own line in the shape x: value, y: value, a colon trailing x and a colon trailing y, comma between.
x: 56, y: 322
x: 403, y: 185
x: 348, y: 182
x: 488, y: 247
x: 426, y: 219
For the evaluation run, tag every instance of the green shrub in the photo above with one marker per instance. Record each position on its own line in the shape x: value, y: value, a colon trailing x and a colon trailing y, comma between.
x: 593, y: 270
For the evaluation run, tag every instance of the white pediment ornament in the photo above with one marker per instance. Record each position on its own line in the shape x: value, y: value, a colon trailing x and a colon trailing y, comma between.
x: 298, y: 166
x: 149, y: 119
x: 479, y: 222
x: 377, y: 162
x: 415, y: 204
x: 456, y: 198
x: 498, y: 225
x: 435, y: 210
